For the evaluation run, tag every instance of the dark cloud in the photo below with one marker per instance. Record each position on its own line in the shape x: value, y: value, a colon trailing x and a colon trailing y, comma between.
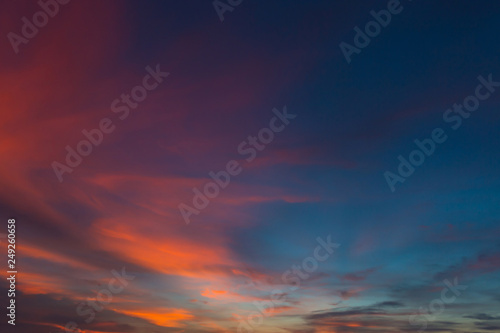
x: 482, y: 316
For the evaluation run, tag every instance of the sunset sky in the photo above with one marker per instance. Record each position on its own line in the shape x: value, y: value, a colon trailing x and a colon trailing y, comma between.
x: 320, y: 180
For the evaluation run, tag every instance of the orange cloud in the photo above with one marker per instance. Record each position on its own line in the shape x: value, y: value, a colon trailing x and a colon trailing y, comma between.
x: 161, y: 317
